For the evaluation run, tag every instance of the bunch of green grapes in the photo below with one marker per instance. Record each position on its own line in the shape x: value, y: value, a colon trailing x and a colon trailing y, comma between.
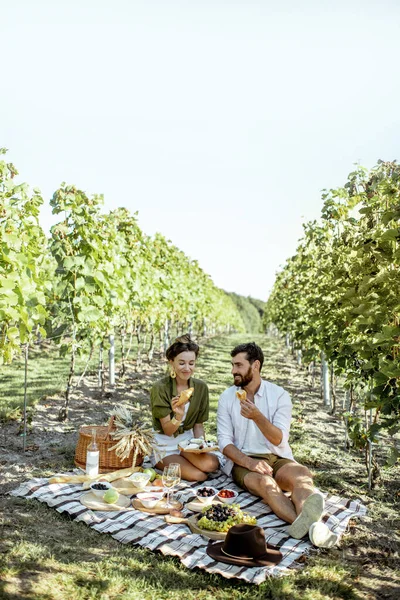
x: 220, y: 517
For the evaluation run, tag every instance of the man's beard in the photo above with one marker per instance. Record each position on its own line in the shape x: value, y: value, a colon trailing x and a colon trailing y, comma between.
x: 243, y: 380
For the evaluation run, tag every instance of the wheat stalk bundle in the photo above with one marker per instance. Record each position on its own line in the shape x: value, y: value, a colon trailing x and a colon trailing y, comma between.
x: 131, y: 433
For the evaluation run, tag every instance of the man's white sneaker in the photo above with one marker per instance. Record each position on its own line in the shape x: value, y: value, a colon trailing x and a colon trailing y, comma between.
x: 321, y: 536
x: 312, y: 510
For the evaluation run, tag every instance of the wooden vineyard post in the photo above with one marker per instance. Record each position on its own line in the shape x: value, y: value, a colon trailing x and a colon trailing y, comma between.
x: 111, y: 361
x: 313, y: 373
x: 370, y: 465
x: 139, y: 347
x: 333, y: 390
x: 166, y: 336
x: 325, y: 380
x: 122, y: 370
x: 25, y: 392
x: 346, y: 406
x: 150, y: 351
x: 100, y: 372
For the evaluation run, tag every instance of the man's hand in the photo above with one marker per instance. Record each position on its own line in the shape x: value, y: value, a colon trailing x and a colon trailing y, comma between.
x: 248, y: 409
x: 259, y: 466
x: 178, y: 410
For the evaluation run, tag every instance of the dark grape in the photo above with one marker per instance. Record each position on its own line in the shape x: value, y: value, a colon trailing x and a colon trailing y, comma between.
x: 205, y: 492
x: 99, y: 486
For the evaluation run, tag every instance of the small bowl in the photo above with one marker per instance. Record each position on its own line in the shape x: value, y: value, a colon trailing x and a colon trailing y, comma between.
x: 227, y: 500
x: 100, y: 493
x: 206, y: 499
x: 149, y: 499
x: 139, y: 480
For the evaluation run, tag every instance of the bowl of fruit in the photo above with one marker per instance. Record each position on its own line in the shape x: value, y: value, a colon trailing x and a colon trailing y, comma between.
x: 99, y: 488
x: 227, y: 496
x: 206, y: 494
x: 220, y: 517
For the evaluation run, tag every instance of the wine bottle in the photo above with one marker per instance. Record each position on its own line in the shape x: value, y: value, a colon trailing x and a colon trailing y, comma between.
x: 92, y: 456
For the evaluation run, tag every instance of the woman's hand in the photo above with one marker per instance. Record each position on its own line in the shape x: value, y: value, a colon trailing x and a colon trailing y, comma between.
x: 178, y: 410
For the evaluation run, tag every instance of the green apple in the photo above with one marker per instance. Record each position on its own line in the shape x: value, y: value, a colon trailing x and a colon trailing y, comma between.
x: 111, y: 496
x: 150, y: 472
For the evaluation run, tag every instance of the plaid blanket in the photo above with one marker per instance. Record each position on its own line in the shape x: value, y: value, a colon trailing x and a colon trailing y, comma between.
x: 152, y: 532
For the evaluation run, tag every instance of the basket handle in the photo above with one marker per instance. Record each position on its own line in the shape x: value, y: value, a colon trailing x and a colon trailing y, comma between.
x: 110, y: 426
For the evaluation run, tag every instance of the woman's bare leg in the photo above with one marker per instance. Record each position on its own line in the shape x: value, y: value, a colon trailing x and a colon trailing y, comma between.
x: 206, y: 462
x: 189, y: 472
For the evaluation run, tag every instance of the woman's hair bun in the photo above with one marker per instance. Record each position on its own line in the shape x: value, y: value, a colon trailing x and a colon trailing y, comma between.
x: 183, y: 343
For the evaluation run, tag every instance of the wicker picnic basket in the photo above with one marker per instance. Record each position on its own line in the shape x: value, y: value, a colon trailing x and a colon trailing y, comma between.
x: 108, y: 460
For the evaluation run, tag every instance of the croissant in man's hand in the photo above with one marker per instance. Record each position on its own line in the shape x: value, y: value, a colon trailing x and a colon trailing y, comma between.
x: 241, y: 394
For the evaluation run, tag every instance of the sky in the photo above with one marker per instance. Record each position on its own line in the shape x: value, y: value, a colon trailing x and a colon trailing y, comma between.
x: 219, y: 121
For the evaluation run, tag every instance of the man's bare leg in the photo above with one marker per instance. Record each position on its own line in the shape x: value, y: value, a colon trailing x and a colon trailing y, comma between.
x: 309, y: 504
x: 269, y: 490
x: 296, y: 479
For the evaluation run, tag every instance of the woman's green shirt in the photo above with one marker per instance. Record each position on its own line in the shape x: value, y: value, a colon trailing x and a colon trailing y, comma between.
x: 161, y: 395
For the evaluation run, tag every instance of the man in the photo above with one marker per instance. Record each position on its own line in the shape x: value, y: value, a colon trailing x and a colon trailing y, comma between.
x: 253, y: 434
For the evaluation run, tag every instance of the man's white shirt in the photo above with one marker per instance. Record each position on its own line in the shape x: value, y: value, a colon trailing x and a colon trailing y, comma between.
x: 273, y: 402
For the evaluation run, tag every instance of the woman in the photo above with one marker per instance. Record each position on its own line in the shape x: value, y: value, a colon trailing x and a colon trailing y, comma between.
x: 175, y: 424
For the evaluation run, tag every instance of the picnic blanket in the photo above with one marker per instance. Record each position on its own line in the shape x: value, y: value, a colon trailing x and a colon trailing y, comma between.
x: 152, y: 532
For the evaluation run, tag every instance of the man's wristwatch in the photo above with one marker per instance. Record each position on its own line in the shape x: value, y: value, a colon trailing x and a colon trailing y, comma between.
x: 175, y: 421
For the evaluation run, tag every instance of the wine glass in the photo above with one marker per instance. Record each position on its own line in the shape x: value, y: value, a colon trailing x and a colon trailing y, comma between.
x: 175, y: 471
x: 168, y: 480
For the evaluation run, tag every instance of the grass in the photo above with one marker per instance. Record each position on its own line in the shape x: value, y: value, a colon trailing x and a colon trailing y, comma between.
x: 44, y: 555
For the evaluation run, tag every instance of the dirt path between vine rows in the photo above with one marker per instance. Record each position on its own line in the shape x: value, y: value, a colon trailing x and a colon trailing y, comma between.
x: 370, y: 548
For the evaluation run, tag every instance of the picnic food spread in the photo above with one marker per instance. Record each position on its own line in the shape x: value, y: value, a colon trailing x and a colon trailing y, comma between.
x: 216, y: 517
x: 220, y: 517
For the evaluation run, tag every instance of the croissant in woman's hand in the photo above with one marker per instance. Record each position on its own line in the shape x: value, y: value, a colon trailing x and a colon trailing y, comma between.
x: 185, y: 396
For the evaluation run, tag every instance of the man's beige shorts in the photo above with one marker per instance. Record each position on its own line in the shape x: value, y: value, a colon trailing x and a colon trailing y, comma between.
x: 274, y: 461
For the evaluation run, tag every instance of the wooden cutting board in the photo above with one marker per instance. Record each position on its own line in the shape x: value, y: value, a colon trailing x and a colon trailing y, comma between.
x: 197, y: 506
x: 192, y: 524
x: 127, y: 487
x: 95, y: 503
x: 159, y: 508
